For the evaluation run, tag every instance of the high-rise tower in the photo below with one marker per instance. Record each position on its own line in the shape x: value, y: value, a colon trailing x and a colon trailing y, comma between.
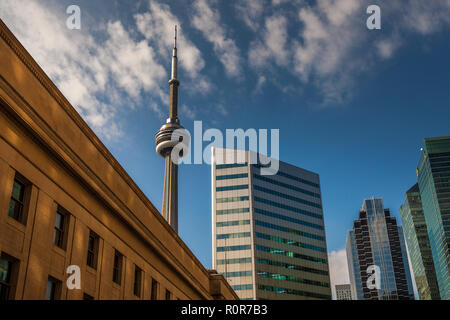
x: 166, y: 139
x: 433, y: 173
x: 268, y: 230
x: 376, y: 240
x: 419, y: 247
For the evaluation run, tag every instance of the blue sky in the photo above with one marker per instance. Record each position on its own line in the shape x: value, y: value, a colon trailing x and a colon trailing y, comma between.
x: 351, y: 104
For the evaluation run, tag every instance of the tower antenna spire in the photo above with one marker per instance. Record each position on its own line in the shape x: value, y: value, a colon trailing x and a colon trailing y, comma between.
x: 175, y: 45
x: 174, y: 73
x: 166, y: 139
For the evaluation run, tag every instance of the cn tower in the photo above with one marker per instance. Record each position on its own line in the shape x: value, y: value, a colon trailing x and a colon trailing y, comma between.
x: 166, y: 140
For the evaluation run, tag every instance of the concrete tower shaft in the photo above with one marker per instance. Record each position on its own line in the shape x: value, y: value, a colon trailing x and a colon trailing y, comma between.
x: 166, y: 139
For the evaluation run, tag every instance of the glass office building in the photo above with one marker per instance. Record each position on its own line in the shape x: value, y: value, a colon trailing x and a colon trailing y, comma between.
x: 268, y: 230
x: 376, y: 240
x: 433, y: 174
x: 354, y: 272
x: 416, y: 234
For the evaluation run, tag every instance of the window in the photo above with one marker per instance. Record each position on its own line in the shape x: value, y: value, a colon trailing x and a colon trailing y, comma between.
x: 16, y: 203
x: 232, y: 176
x: 53, y: 291
x: 233, y: 248
x: 92, y: 253
x: 137, y: 281
x: 8, y: 266
x: 117, y: 268
x: 154, y: 292
x: 168, y: 295
x: 231, y: 211
x: 231, y: 165
x: 242, y: 287
x: 60, y: 231
x: 228, y: 188
x: 87, y: 297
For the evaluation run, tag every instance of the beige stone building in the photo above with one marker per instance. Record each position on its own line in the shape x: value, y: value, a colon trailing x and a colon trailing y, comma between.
x: 65, y: 200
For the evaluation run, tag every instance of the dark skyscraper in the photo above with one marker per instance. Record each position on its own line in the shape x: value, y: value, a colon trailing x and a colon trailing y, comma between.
x: 433, y: 174
x: 376, y: 240
x: 416, y: 234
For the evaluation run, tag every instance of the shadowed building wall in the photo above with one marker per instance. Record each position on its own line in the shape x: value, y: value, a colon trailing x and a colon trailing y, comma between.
x: 65, y: 200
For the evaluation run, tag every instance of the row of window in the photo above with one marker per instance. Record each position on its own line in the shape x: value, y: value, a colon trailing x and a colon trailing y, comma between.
x: 285, y: 185
x: 266, y: 237
x: 232, y: 176
x: 232, y: 223
x: 230, y: 188
x: 288, y: 230
x: 233, y: 248
x: 233, y: 235
x: 294, y: 292
x: 231, y: 211
x: 234, y: 261
x: 289, y: 219
x: 288, y: 197
x: 272, y: 226
x: 289, y: 176
x: 289, y: 208
x: 240, y: 287
x: 231, y: 165
x: 60, y: 235
x: 291, y: 266
x: 231, y: 199
x: 290, y: 254
x: 9, y: 267
x: 237, y: 274
x: 289, y: 242
x: 277, y: 276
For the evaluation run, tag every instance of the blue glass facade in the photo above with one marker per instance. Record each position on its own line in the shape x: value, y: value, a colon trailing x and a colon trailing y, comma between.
x: 354, y: 271
x: 285, y: 256
x: 376, y: 240
x: 416, y: 233
x: 434, y: 183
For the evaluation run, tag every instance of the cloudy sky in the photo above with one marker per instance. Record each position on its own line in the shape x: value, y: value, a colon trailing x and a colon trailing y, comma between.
x: 351, y: 104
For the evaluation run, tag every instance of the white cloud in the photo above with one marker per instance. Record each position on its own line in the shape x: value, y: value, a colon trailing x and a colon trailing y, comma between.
x: 328, y: 35
x: 387, y: 47
x: 337, y: 261
x: 260, y: 84
x: 250, y: 12
x: 335, y: 46
x: 426, y: 17
x: 330, y: 46
x: 188, y: 112
x: 278, y: 2
x: 207, y: 21
x: 157, y: 26
x: 131, y: 64
x: 273, y: 45
x: 103, y: 77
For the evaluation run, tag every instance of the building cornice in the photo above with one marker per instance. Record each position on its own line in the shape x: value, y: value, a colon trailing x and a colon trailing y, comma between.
x: 28, y: 116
